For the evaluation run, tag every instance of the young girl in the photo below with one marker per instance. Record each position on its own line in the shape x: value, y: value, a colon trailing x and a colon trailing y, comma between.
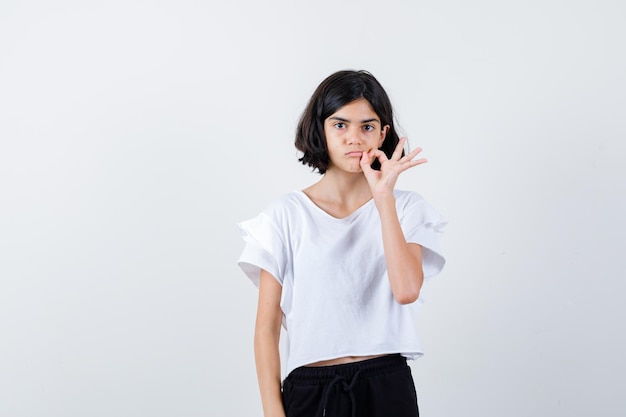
x: 340, y: 263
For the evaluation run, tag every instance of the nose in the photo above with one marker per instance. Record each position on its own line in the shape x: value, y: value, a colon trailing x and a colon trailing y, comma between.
x: 354, y: 137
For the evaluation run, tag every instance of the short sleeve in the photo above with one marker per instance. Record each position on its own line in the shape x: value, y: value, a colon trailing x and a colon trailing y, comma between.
x: 263, y: 249
x: 422, y: 224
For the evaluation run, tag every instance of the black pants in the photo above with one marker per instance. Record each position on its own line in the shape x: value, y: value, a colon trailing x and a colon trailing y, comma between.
x: 379, y: 387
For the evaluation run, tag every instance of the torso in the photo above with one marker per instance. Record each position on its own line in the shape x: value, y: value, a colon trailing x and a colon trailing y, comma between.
x: 345, y: 359
x: 334, y: 281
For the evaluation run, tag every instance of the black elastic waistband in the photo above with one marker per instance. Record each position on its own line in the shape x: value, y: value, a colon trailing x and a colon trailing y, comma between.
x: 366, y: 368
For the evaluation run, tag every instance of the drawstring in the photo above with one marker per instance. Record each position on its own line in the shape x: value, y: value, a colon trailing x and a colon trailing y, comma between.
x: 346, y: 388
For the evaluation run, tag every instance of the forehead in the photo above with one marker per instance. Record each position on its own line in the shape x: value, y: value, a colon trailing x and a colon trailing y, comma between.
x: 356, y: 110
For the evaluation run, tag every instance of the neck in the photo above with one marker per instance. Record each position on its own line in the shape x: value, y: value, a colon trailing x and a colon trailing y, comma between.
x: 344, y: 187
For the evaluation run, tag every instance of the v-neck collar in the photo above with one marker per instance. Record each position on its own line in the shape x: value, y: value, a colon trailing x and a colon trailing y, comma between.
x: 349, y: 217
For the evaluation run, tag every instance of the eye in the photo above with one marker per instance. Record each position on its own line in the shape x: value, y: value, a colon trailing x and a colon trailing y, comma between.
x: 368, y: 128
x: 340, y: 125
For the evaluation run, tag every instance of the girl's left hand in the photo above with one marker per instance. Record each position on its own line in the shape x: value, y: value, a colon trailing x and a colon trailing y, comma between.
x: 383, y: 181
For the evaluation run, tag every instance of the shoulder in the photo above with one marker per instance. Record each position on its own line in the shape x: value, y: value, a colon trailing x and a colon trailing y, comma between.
x: 284, y: 206
x: 413, y: 204
x: 274, y: 220
x: 405, y: 197
x: 414, y: 209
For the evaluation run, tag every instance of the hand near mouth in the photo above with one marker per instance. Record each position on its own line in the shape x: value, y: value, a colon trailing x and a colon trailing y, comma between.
x: 383, y: 182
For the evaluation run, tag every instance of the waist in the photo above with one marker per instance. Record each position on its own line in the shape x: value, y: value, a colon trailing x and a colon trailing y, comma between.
x: 365, y: 367
x: 344, y: 360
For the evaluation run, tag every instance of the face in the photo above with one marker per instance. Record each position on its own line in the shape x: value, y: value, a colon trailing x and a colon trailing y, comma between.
x: 353, y: 129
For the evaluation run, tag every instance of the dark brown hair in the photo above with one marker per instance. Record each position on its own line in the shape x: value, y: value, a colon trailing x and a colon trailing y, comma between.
x: 337, y: 90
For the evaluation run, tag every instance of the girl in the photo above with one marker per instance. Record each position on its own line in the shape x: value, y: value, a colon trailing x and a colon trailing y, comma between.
x: 339, y: 264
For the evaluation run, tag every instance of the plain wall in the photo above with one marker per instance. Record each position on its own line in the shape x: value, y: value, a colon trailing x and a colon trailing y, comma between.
x: 135, y: 134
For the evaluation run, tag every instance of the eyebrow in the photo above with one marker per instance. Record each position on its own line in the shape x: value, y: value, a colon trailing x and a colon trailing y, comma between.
x: 341, y: 119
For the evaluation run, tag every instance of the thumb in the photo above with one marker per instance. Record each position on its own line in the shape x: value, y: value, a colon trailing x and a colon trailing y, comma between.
x: 366, y: 162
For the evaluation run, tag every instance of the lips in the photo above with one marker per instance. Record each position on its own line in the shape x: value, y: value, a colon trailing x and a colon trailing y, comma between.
x: 354, y: 153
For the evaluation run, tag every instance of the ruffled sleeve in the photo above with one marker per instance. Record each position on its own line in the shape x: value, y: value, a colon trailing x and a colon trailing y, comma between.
x: 264, y: 249
x: 422, y: 224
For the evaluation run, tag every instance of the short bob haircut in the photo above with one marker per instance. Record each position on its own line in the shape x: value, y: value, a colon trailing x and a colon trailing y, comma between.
x: 337, y: 90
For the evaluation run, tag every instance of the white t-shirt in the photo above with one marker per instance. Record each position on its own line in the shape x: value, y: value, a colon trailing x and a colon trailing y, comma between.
x: 336, y: 298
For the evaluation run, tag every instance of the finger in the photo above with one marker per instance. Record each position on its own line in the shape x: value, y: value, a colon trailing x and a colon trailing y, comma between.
x: 418, y: 162
x: 411, y: 154
x: 377, y: 153
x: 366, y: 162
x: 397, y: 153
x: 410, y: 164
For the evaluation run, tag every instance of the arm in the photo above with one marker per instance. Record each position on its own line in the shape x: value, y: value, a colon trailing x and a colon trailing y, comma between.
x: 404, y: 260
x: 266, y: 336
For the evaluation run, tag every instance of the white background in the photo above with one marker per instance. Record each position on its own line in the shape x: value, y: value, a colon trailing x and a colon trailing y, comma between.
x: 135, y: 134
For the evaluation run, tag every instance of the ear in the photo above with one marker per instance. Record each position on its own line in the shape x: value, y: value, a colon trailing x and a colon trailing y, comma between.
x: 383, y: 135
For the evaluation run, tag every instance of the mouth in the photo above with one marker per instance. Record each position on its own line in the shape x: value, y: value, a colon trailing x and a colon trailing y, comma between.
x: 354, y: 154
